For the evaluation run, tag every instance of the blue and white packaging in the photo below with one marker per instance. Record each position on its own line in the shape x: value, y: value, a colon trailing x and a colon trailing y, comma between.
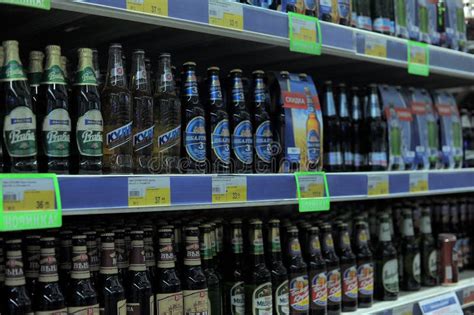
x: 412, y: 19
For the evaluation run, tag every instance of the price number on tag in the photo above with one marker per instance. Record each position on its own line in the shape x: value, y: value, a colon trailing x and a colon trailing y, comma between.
x: 229, y: 189
x: 28, y: 194
x: 377, y: 185
x: 418, y: 182
x: 375, y: 46
x: 226, y: 14
x: 311, y: 186
x: 156, y: 7
x: 149, y: 191
x: 304, y: 30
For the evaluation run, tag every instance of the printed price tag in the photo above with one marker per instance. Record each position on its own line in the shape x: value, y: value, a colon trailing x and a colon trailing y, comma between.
x: 305, y: 34
x: 156, y: 7
x: 38, y: 4
x: 418, y: 182
x: 226, y: 14
x: 375, y: 46
x: 377, y: 185
x: 443, y: 304
x: 29, y: 201
x: 418, y: 58
x: 149, y: 191
x: 312, y: 191
x: 229, y: 189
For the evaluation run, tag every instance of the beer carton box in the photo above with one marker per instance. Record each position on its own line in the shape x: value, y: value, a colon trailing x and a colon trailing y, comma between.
x: 450, y: 129
x: 406, y: 19
x: 434, y: 35
x: 297, y: 119
x: 400, y: 131
x: 455, y: 26
x: 423, y: 20
x: 425, y: 141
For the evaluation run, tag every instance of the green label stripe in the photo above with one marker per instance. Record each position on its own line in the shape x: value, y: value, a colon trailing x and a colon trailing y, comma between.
x: 417, y: 68
x: 301, y: 46
x: 86, y: 77
x: 38, y: 4
x: 30, y: 219
x: 13, y: 71
x: 312, y: 204
x: 53, y: 75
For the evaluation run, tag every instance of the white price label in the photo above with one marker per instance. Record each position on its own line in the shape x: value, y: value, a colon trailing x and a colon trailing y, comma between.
x: 229, y: 189
x: 444, y: 304
x: 149, y: 191
x: 226, y: 14
x: 375, y: 46
x: 28, y: 194
x: 377, y: 185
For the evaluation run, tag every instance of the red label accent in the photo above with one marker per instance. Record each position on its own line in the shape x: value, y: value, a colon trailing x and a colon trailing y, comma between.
x: 443, y: 109
x: 317, y: 105
x: 418, y: 108
x: 294, y: 100
x: 402, y: 113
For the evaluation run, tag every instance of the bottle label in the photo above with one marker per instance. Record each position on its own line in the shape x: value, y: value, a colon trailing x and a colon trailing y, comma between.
x: 315, y: 245
x: 193, y: 255
x: 325, y: 7
x: 137, y: 256
x: 89, y: 133
x: 215, y: 93
x: 119, y: 136
x: 382, y: 25
x: 195, y: 139
x: 259, y: 92
x: 57, y: 133
x: 149, y: 252
x: 165, y: 254
x: 61, y: 311
x: 262, y: 299
x: 333, y: 158
x: 349, y: 282
x: 32, y: 261
x: 364, y: 22
x: 237, y: 91
x: 108, y: 257
x: 416, y: 268
x: 190, y: 85
x: 299, y: 294
x: 84, y: 310
x: 19, y: 132
x: 282, y: 296
x: 348, y: 158
x: 54, y: 75
x: 314, y: 146
x: 136, y: 308
x: 390, y: 276
x: 13, y: 71
x: 263, y: 141
x: 86, y: 76
x: 237, y: 299
x: 242, y: 142
x: 121, y: 307
x: 358, y: 160
x: 221, y: 141
x: 133, y: 309
x: 257, y: 243
x: 143, y: 139
x: 319, y: 289
x: 196, y: 302
x: 334, y: 286
x: 48, y: 266
x: 169, y: 138
x: 365, y: 279
x: 80, y: 263
x: 169, y: 303
x: 344, y: 8
x: 433, y: 264
x: 92, y: 252
x: 122, y: 255
x: 378, y: 159
x: 425, y: 225
x: 14, y: 269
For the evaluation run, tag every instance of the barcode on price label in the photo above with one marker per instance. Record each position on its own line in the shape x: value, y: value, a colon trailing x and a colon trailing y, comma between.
x: 10, y: 197
x: 135, y: 193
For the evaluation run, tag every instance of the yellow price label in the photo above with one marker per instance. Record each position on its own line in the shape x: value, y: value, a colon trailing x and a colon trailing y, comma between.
x: 378, y: 185
x: 313, y: 190
x: 156, y: 7
x: 307, y: 35
x: 149, y: 191
x: 376, y: 47
x: 32, y: 200
x: 226, y: 14
x: 229, y: 189
x: 418, y: 182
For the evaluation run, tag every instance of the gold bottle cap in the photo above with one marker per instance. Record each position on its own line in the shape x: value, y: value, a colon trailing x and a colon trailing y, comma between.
x: 213, y: 68
x: 36, y: 55
x: 236, y: 71
x: 303, y: 75
x: 53, y: 50
x: 189, y: 63
x: 9, y: 43
x: 259, y: 72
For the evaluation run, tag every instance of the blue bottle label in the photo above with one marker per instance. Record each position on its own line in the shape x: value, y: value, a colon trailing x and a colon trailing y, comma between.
x: 215, y: 93
x: 325, y: 7
x: 195, y: 139
x: 220, y: 141
x: 314, y: 146
x: 143, y: 139
x: 344, y: 8
x: 259, y: 93
x: 119, y: 136
x: 263, y: 141
x: 190, y: 86
x: 242, y: 142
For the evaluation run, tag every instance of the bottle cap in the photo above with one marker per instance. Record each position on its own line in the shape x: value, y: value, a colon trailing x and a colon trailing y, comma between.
x: 36, y: 55
x: 53, y: 50
x: 116, y: 45
x: 236, y: 71
x: 213, y: 68
x: 189, y: 63
x: 259, y: 72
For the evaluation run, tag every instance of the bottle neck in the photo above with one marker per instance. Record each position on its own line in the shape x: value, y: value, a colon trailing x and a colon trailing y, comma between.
x: 343, y: 105
x: 344, y: 241
x: 85, y: 74
x: 36, y: 65
x: 425, y: 224
x: 259, y: 92
x: 190, y: 87
x: 14, y: 267
x: 116, y: 69
x: 149, y: 250
x: 314, y: 245
x: 384, y: 232
x: 165, y: 77
x: 206, y: 250
x: 374, y: 107
x: 137, y: 255
x: 237, y: 242
x: 356, y: 108
x: 108, y: 265
x: 256, y: 246
x: 139, y: 74
x: 330, y: 107
x: 294, y: 247
x: 237, y: 91
x: 362, y: 236
x: 166, y: 256
x: 192, y: 257
x: 275, y: 243
x: 407, y: 230
x: 215, y: 91
x: 80, y: 263
x: 328, y: 242
x: 12, y: 53
x: 48, y: 271
x: 13, y: 69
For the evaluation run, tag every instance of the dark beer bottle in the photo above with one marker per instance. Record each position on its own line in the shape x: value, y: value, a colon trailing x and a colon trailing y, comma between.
x: 364, y: 15
x: 411, y: 254
x: 93, y: 253
x: 195, y: 294
x: 143, y: 124
x: 218, y: 125
x: 429, y: 264
x: 56, y: 124
x: 32, y: 263
x: 111, y: 292
x: 65, y: 258
x: 219, y: 245
x: 150, y: 260
x: 81, y: 294
x: 19, y: 123
x: 234, y: 290
x: 2, y: 265
x: 297, y: 275
x: 121, y: 254
x: 241, y: 126
x: 258, y: 285
x: 169, y: 295
x: 333, y: 159
x: 380, y: 16
x: 95, y: 63
x: 15, y: 298
x: 48, y: 295
x: 346, y: 130
x: 365, y: 264
x: 357, y: 133
x: 261, y: 122
x: 213, y: 281
x: 348, y: 269
x: 140, y: 297
x: 279, y: 274
x: 333, y: 271
x: 317, y: 273
x: 89, y: 125
x: 35, y: 73
x: 116, y: 102
x: 386, y: 278
x: 194, y: 123
x: 377, y: 132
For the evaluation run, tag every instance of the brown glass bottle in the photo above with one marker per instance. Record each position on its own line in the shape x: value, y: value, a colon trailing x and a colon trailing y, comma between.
x: 214, y: 285
x: 195, y: 294
x: 2, y: 265
x: 116, y: 102
x: 81, y: 295
x: 333, y: 271
x: 376, y: 129
x: 348, y: 269
x: 150, y: 260
x: 169, y: 294
x: 48, y: 295
x: 140, y: 297
x: 121, y: 254
x: 142, y: 102
x: 429, y: 264
x: 35, y: 73
x: 32, y: 262
x: 15, y: 298
x: 317, y: 273
x: 93, y: 253
x: 411, y: 254
x: 111, y: 292
x: 365, y: 265
x: 65, y: 257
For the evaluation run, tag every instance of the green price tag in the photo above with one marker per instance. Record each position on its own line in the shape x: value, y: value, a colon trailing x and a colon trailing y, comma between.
x: 37, y: 4
x: 305, y: 34
x: 418, y: 58
x: 312, y: 191
x: 29, y: 201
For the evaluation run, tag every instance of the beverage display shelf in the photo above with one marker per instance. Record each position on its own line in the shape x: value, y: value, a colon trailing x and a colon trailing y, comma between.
x: 109, y: 193
x: 271, y: 27
x: 407, y: 302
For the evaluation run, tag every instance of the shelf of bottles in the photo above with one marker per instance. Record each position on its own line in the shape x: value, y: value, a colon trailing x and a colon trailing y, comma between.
x: 271, y: 27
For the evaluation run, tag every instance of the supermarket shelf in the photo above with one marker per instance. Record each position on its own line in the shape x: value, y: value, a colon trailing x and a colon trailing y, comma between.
x: 271, y: 27
x: 109, y: 193
x: 407, y: 302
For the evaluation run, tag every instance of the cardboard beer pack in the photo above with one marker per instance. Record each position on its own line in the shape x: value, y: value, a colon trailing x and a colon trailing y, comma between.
x: 406, y: 19
x: 455, y: 25
x: 297, y: 120
x: 450, y: 129
x: 434, y: 34
x: 400, y: 131
x: 425, y: 125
